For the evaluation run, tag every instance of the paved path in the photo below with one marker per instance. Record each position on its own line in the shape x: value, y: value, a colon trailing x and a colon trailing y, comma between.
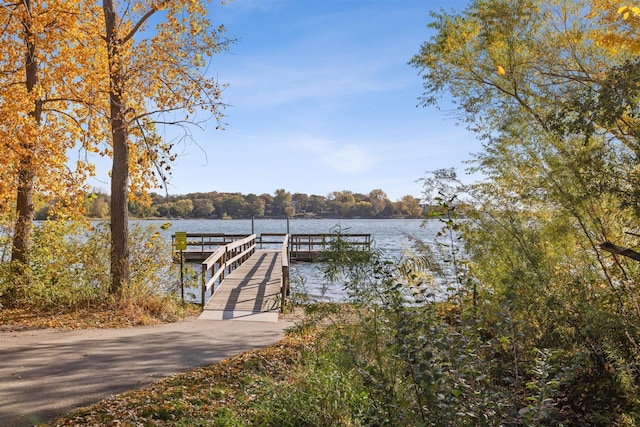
x: 48, y: 372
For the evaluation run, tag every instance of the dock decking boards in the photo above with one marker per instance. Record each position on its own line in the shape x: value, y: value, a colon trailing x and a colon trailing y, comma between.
x: 250, y: 292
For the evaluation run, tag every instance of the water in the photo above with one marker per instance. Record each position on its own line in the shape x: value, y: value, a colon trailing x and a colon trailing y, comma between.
x: 390, y: 235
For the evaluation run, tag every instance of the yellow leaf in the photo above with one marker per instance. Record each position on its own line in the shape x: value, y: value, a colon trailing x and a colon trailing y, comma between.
x: 622, y: 9
x: 625, y: 16
x: 501, y: 71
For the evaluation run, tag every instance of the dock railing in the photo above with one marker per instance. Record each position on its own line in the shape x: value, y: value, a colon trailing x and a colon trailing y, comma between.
x: 310, y: 247
x: 224, y: 260
x: 273, y: 238
x: 302, y: 247
x: 284, y: 258
x: 200, y: 245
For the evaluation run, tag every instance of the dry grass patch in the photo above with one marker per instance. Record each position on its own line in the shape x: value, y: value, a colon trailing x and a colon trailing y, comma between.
x: 104, y: 316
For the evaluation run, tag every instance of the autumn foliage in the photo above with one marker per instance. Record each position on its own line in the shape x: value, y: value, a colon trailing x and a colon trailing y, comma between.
x: 84, y: 78
x: 619, y: 26
x: 551, y: 89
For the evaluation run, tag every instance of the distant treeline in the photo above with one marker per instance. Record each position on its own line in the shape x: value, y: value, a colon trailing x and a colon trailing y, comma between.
x: 343, y: 204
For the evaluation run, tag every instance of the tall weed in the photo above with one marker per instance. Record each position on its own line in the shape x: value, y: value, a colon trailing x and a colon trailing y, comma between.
x: 323, y: 392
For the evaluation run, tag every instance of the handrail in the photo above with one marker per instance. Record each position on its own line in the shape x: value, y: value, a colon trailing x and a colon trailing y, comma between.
x: 264, y: 238
x: 208, y: 239
x: 284, y: 260
x: 311, y: 242
x: 227, y: 257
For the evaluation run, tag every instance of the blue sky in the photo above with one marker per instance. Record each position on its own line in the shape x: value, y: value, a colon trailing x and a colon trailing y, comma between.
x: 322, y: 99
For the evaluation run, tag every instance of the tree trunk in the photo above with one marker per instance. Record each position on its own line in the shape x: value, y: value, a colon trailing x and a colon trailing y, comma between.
x: 619, y: 250
x: 120, y: 272
x: 26, y: 173
x: 24, y: 221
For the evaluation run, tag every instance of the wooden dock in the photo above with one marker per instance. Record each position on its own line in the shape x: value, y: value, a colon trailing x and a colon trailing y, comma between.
x: 251, y: 292
x: 243, y: 281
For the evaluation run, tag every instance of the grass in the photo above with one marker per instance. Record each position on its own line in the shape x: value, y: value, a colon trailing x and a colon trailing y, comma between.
x: 104, y: 316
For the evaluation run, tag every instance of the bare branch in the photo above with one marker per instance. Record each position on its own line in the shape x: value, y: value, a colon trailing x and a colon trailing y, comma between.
x: 142, y: 20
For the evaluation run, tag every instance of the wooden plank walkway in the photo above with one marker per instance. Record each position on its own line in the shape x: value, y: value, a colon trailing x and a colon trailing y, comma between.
x: 251, y: 292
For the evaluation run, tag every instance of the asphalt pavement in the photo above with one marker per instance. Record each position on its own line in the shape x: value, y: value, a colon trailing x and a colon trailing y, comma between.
x: 47, y: 373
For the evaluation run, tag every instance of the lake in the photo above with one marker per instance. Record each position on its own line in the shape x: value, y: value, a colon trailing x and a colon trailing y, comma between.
x: 390, y: 235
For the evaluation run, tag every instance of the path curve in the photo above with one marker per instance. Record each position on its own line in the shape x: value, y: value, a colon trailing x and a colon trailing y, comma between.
x: 47, y: 373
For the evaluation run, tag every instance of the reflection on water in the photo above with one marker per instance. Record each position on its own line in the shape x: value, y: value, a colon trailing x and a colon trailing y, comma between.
x: 391, y: 236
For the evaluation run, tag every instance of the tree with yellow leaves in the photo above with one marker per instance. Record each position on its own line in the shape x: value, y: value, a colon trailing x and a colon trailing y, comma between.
x: 157, y: 77
x: 613, y: 104
x: 46, y: 49
x: 98, y: 77
x: 619, y: 26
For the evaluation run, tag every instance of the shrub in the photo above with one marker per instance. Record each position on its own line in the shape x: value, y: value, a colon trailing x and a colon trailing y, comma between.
x: 70, y: 268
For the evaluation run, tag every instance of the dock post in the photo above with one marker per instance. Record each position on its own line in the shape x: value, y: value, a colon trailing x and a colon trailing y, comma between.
x: 204, y: 284
x: 285, y: 286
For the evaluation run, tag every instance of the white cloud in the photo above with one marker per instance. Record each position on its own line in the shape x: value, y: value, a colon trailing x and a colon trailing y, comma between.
x: 348, y: 159
x: 338, y: 157
x: 261, y: 84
